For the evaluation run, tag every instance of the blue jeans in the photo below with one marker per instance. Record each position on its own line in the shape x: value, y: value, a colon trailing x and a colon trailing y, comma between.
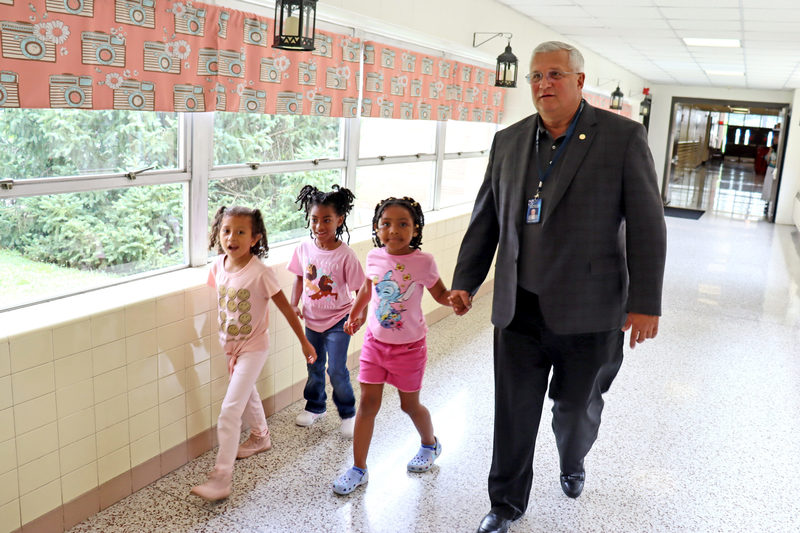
x: 331, y: 345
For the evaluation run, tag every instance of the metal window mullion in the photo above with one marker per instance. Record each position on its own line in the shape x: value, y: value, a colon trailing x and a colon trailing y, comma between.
x: 200, y: 150
x: 395, y: 159
x: 351, y: 154
x: 238, y: 171
x: 43, y: 187
x: 441, y: 133
x: 462, y: 155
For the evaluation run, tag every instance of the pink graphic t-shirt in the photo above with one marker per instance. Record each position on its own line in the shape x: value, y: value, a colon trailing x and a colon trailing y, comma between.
x: 398, y: 282
x: 329, y: 279
x: 243, y: 311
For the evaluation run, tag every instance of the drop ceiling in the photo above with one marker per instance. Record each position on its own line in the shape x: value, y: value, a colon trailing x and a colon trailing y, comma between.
x: 646, y: 37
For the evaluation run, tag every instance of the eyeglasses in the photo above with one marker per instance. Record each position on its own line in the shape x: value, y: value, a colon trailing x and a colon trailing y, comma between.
x: 551, y: 75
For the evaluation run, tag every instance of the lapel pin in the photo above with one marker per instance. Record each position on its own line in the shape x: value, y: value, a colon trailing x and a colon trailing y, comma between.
x: 582, y: 136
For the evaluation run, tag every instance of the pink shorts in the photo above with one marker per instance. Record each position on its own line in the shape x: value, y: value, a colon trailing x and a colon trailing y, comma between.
x: 401, y: 365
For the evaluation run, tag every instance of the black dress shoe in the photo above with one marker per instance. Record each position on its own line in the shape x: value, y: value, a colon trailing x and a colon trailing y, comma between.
x: 494, y: 523
x: 572, y: 484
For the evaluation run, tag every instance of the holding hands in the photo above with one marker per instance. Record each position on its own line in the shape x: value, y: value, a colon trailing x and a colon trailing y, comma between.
x: 353, y: 324
x: 461, y: 301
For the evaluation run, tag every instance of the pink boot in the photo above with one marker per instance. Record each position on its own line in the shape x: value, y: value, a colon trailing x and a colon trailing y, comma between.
x: 217, y: 487
x: 254, y: 445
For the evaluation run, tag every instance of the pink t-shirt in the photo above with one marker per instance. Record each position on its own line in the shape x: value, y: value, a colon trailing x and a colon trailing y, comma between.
x: 243, y: 311
x: 398, y: 281
x: 329, y: 278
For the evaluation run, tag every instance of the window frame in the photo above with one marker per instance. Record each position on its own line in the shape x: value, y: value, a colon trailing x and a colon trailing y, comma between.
x: 195, y: 156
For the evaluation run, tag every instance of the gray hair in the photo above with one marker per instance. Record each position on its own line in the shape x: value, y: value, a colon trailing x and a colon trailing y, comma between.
x: 575, y: 56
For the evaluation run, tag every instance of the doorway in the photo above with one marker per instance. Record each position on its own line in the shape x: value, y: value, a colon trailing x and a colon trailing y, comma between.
x: 724, y: 157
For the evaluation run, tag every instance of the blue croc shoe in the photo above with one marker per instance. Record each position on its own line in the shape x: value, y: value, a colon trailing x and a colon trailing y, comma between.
x: 350, y: 481
x: 423, y: 461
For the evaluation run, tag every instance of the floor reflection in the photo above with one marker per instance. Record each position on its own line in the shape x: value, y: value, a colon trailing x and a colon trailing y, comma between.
x: 728, y: 188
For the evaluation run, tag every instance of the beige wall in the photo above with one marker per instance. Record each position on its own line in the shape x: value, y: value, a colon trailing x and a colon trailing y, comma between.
x: 93, y: 395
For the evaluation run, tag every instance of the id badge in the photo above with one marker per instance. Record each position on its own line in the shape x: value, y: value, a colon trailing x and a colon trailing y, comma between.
x: 534, y: 211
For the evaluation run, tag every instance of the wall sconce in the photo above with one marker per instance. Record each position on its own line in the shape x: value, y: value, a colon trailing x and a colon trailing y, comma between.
x: 616, y: 96
x: 506, y: 72
x: 295, y: 22
x: 644, y: 105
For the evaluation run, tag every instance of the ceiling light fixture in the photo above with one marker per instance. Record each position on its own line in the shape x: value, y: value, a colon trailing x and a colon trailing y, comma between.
x: 724, y: 43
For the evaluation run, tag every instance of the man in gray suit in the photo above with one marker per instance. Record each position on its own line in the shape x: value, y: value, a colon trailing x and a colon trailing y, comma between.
x: 571, y: 203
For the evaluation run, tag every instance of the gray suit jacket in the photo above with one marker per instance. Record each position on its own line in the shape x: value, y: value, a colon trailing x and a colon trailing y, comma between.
x: 603, y: 238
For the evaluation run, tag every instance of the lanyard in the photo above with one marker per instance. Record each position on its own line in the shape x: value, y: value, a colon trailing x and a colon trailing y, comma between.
x: 559, y: 151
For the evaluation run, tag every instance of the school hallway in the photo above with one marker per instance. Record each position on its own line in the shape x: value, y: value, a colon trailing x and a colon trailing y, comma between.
x: 700, y: 430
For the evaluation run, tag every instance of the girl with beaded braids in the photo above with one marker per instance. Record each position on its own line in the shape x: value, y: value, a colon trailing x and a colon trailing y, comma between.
x: 394, y: 349
x: 327, y: 271
x: 244, y: 287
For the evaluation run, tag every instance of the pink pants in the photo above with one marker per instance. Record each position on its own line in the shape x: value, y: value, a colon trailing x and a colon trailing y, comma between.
x: 242, y: 402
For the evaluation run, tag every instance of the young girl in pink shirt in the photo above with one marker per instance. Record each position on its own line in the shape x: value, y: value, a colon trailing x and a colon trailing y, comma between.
x: 394, y: 349
x: 327, y: 272
x: 244, y: 287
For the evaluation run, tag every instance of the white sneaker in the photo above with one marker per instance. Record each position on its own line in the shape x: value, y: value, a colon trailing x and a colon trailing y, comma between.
x: 347, y: 427
x: 306, y: 418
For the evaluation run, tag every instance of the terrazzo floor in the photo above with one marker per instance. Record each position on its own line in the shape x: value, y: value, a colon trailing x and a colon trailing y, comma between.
x: 728, y: 188
x: 700, y: 429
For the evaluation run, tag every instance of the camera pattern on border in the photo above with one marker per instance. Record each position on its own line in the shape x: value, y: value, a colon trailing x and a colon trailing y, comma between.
x: 411, y: 85
x: 184, y: 56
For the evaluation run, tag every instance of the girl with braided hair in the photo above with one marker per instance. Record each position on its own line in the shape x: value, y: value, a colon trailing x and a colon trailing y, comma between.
x: 394, y: 349
x: 327, y: 273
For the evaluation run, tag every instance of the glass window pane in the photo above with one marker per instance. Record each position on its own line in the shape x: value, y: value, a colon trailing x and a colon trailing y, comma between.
x: 461, y: 180
x: 245, y: 138
x: 468, y: 136
x: 769, y: 121
x: 388, y: 136
x: 65, y: 243
x: 38, y: 143
x: 735, y: 119
x: 753, y: 121
x: 374, y: 183
x: 274, y: 195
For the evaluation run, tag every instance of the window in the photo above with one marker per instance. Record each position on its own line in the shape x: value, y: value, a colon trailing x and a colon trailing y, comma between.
x: 274, y: 195
x: 374, y: 183
x: 40, y: 143
x: 76, y: 217
x: 461, y: 179
x: 394, y: 137
x: 64, y: 243
x: 72, y: 220
x: 245, y: 138
x: 469, y: 136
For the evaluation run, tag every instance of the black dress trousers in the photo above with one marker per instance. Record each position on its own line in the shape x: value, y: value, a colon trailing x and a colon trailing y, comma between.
x: 584, y: 365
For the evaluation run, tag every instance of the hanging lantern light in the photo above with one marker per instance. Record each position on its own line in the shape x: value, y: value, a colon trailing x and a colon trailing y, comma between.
x: 616, y: 99
x: 506, y: 75
x: 644, y: 105
x: 295, y: 23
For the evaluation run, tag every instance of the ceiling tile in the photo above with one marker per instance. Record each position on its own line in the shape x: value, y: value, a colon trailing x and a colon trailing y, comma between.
x: 645, y: 37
